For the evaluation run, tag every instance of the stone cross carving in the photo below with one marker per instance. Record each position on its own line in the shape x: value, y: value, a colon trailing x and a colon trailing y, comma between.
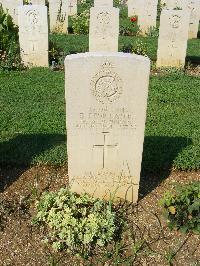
x: 104, y: 147
x: 70, y: 7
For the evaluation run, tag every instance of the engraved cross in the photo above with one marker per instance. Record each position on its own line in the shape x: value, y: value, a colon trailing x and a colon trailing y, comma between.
x: 70, y: 6
x: 104, y: 146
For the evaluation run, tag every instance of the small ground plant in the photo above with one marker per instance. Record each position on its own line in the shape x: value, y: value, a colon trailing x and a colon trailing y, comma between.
x: 78, y: 223
x: 182, y: 208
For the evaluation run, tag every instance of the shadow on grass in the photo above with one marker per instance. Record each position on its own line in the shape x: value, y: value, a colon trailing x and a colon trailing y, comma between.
x: 158, y: 156
x: 194, y: 60
x: 20, y: 152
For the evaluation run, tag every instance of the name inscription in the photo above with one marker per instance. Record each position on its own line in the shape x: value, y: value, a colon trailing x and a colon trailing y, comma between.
x: 102, y: 118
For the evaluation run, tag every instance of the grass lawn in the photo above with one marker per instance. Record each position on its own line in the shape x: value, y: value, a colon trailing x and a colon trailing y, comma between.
x: 80, y: 43
x: 33, y: 120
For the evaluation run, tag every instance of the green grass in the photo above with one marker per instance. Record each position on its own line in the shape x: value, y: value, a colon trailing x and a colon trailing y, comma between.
x: 80, y: 43
x: 33, y: 120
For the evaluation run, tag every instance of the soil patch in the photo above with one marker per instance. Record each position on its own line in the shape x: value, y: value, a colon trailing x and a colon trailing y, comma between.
x: 147, y: 241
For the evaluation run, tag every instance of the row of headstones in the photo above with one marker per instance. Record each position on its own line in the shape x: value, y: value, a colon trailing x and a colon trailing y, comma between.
x: 59, y: 10
x: 105, y: 131
x: 146, y: 11
x: 179, y: 21
x: 103, y: 33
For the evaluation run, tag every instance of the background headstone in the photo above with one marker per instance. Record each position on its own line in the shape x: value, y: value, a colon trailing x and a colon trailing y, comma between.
x: 194, y: 8
x: 173, y: 36
x: 147, y: 14
x: 133, y: 6
x: 58, y: 13
x: 104, y: 29
x: 105, y: 132
x: 108, y: 3
x: 72, y: 8
x: 12, y: 7
x: 37, y: 2
x: 174, y: 4
x: 33, y: 35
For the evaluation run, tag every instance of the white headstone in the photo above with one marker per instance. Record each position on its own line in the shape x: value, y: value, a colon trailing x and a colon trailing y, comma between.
x: 174, y: 4
x: 12, y: 7
x: 104, y: 29
x: 147, y: 14
x: 108, y: 3
x: 37, y: 2
x: 133, y: 6
x: 105, y: 131
x: 58, y: 12
x: 173, y: 36
x: 194, y: 8
x: 33, y: 35
x: 72, y: 8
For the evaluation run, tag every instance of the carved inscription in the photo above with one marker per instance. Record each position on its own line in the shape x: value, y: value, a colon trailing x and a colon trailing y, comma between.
x: 32, y: 20
x: 103, y: 24
x: 106, y: 85
x: 175, y: 21
x: 103, y: 119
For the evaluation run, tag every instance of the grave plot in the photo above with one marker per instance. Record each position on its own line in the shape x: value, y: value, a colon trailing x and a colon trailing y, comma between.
x: 100, y: 133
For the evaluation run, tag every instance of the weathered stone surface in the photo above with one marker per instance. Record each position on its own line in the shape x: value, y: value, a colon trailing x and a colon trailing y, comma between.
x: 147, y: 14
x: 37, y: 2
x: 58, y: 12
x: 174, y: 4
x: 173, y: 36
x: 108, y: 3
x: 106, y: 99
x: 12, y: 7
x: 72, y: 7
x: 194, y: 8
x: 133, y: 7
x: 33, y: 35
x: 104, y: 29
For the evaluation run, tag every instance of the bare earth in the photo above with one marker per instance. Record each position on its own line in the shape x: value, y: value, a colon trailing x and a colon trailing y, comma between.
x: 20, y: 242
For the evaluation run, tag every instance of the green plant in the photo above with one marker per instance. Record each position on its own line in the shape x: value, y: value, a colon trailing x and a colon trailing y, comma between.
x: 153, y: 32
x: 56, y: 55
x: 77, y: 223
x: 129, y: 27
x: 9, y: 44
x: 139, y: 48
x: 182, y: 208
x: 80, y: 23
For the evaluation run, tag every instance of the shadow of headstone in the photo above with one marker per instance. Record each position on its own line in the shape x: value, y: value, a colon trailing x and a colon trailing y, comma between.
x: 158, y: 156
x: 20, y: 152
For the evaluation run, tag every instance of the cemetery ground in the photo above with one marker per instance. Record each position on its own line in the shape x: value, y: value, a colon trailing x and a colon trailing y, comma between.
x: 33, y: 160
